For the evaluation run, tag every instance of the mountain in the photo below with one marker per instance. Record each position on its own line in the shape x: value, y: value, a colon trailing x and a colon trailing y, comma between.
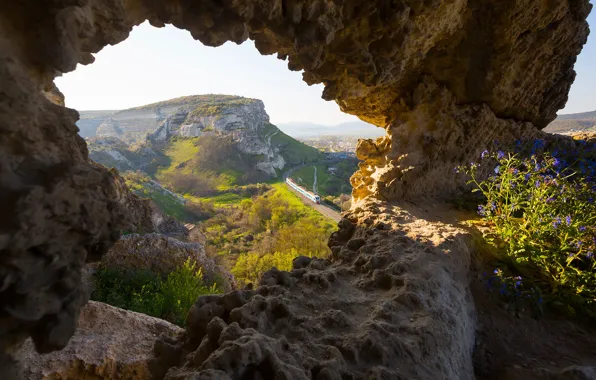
x: 199, y: 142
x: 89, y: 121
x: 352, y: 129
x: 575, y: 122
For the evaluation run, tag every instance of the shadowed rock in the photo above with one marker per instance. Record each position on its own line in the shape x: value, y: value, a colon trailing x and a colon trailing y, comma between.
x: 444, y: 78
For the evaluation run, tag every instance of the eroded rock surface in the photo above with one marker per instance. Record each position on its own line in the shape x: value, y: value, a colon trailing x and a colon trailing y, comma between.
x: 385, y: 306
x: 440, y: 74
x: 109, y: 343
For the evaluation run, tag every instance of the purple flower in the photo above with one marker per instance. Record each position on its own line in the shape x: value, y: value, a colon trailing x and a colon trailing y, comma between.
x: 497, y: 169
x: 537, y: 184
x: 515, y: 171
x: 568, y: 220
x: 537, y: 167
x: 557, y: 222
x: 500, y: 155
x: 589, y: 254
x: 456, y: 170
x: 550, y: 200
x: 481, y: 210
x: 582, y: 228
x: 556, y: 162
x: 484, y: 154
x: 527, y: 177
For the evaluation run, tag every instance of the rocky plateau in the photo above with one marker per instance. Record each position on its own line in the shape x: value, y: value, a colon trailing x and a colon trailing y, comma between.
x: 398, y: 299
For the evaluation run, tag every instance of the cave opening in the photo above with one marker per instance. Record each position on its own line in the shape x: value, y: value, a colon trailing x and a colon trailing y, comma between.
x: 399, y: 65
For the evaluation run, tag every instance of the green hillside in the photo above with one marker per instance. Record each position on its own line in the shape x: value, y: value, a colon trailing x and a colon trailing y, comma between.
x: 293, y: 151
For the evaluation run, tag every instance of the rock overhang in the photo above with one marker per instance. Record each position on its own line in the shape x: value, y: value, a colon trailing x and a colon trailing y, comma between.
x: 443, y: 76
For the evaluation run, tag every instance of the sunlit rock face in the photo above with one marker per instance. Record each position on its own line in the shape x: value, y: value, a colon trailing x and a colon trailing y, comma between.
x: 444, y: 77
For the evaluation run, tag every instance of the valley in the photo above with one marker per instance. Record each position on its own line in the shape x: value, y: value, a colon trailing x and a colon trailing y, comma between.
x: 216, y: 163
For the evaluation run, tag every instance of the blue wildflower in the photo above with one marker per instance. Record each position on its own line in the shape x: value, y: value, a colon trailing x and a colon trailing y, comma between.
x: 481, y: 210
x: 537, y: 183
x: 556, y: 162
x: 568, y: 220
x: 589, y: 254
x: 500, y: 155
x: 582, y: 228
x: 456, y: 169
x: 557, y: 222
x: 484, y: 154
x: 527, y: 177
x: 515, y: 171
x: 497, y: 169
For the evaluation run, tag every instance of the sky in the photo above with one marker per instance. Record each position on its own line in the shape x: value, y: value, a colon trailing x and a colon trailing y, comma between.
x: 159, y: 64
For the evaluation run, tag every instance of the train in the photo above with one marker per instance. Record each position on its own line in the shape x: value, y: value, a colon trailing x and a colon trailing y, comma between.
x: 309, y: 194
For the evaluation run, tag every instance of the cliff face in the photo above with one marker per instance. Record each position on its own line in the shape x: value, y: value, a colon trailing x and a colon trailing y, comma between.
x: 243, y: 119
x: 442, y: 76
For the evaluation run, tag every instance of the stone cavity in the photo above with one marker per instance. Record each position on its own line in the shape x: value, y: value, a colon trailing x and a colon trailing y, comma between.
x: 439, y: 75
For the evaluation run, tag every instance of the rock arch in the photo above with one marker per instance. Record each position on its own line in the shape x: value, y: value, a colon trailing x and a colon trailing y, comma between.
x: 444, y: 77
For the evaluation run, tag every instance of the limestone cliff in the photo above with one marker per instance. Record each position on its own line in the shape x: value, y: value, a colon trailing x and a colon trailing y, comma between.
x: 242, y: 118
x: 151, y: 126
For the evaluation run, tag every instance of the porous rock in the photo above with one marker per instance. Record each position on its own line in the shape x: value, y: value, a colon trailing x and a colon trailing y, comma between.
x: 391, y: 309
x: 440, y: 75
x: 109, y: 343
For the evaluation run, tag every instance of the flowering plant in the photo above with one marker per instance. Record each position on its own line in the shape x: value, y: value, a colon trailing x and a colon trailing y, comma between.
x: 544, y: 213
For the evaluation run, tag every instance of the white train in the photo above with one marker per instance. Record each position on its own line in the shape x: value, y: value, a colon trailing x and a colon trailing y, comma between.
x: 310, y: 195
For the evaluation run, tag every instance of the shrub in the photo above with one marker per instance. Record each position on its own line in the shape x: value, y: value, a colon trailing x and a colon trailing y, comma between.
x: 545, y: 216
x: 249, y: 267
x: 169, y: 298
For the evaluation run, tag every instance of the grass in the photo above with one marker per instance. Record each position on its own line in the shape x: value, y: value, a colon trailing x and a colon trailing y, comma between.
x: 181, y: 150
x: 169, y: 297
x: 327, y: 185
x: 225, y: 199
x: 295, y: 201
x: 293, y: 151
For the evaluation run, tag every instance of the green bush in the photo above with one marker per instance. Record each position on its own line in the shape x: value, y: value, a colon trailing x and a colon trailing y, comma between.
x: 168, y: 298
x: 544, y: 216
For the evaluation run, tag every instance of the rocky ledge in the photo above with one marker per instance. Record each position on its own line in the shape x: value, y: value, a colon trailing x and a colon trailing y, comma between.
x: 109, y: 343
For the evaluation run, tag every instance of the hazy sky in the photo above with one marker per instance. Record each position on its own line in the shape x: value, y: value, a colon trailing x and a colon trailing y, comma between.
x: 158, y: 64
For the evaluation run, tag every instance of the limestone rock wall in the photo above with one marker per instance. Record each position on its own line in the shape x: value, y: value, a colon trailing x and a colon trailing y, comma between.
x: 504, y: 63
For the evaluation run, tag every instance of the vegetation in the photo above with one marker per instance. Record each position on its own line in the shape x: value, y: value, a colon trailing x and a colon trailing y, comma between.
x: 197, y: 100
x: 542, y: 215
x: 169, y: 298
x: 266, y: 230
x: 333, y: 178
x: 202, y: 166
x: 169, y: 203
x: 293, y: 151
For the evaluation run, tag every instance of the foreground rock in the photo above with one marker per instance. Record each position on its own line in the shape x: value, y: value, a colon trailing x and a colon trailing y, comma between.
x: 109, y: 343
x: 400, y: 299
x: 161, y: 254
